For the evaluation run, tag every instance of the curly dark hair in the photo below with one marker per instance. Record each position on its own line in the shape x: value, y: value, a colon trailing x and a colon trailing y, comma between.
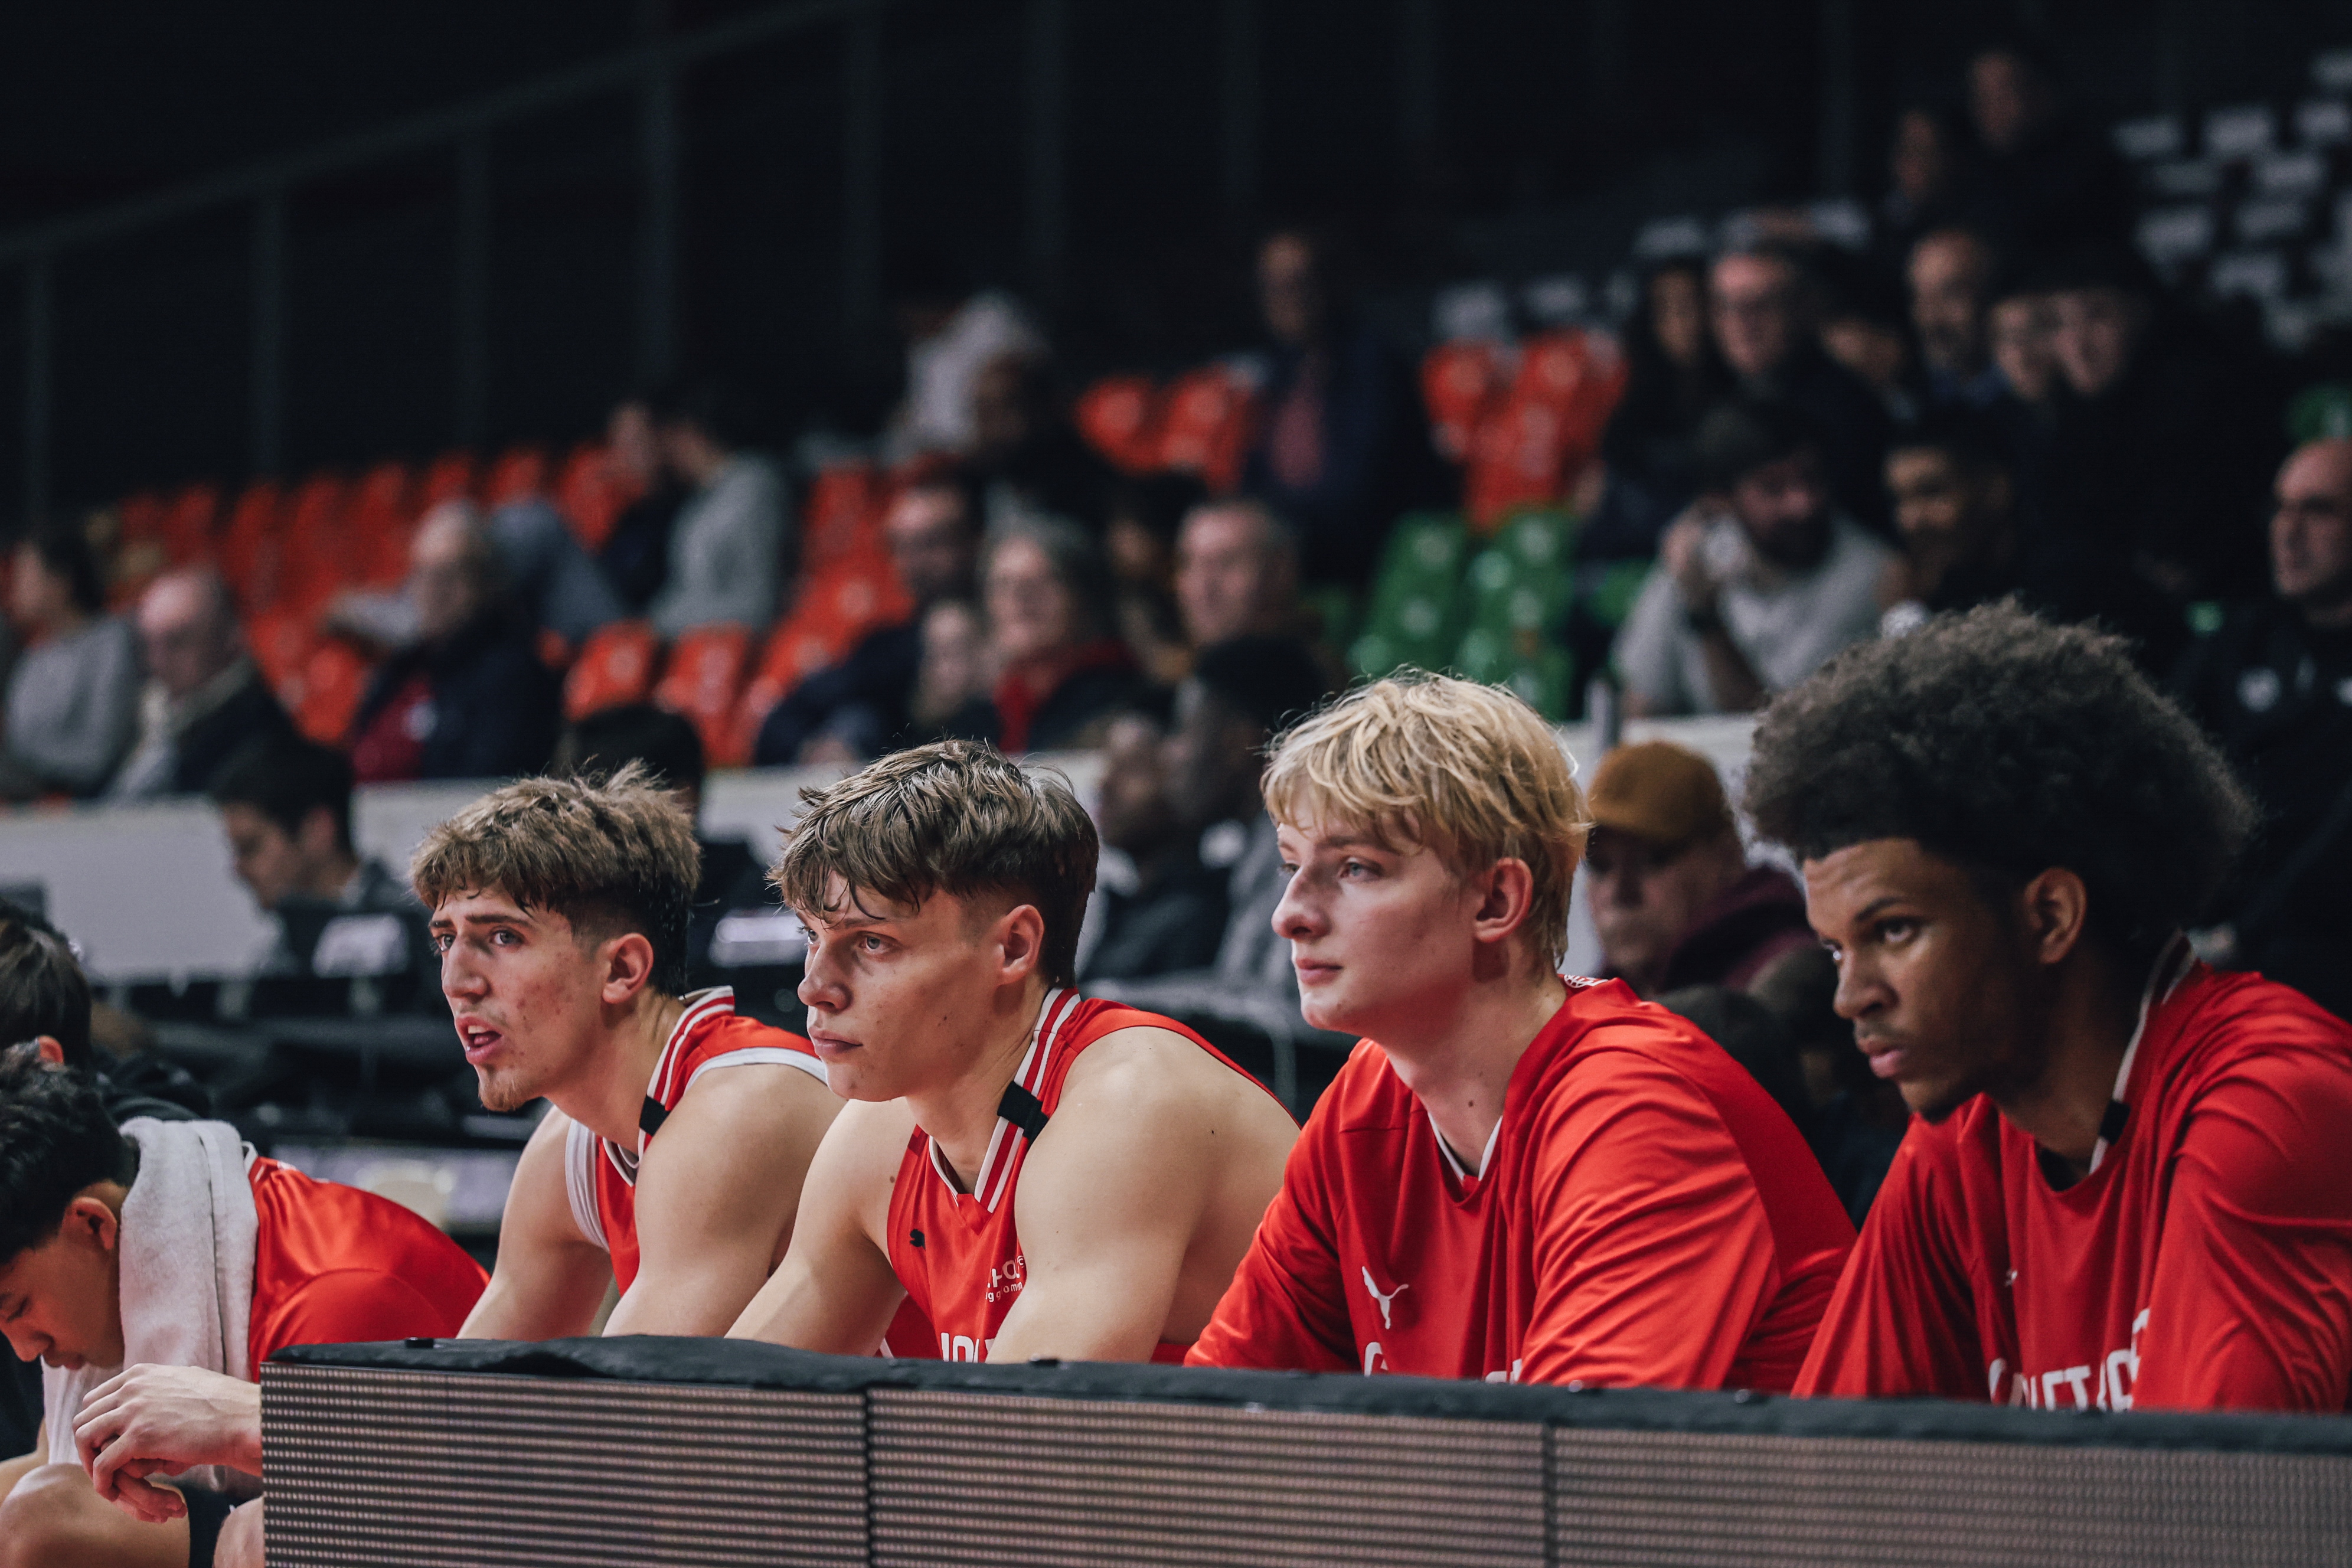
x: 2009, y: 746
x: 56, y: 1139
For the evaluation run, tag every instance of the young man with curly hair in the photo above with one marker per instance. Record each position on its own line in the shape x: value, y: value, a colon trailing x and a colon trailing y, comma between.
x: 1516, y: 1177
x: 2128, y: 1183
x: 1036, y: 1174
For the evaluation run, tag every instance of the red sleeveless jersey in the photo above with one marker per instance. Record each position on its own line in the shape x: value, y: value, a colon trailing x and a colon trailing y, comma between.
x: 958, y: 1253
x: 600, y: 1177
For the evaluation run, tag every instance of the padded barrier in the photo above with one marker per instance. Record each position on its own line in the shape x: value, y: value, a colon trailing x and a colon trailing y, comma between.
x: 702, y: 1451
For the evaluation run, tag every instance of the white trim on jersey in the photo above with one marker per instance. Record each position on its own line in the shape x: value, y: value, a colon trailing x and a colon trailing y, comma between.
x: 580, y: 1183
x: 996, y: 1166
x: 1446, y: 1149
x: 715, y: 1001
x: 760, y: 1055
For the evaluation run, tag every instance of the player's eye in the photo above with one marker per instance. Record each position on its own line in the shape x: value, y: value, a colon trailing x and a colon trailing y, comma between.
x: 1896, y: 931
x: 441, y: 942
x: 506, y: 936
x: 869, y: 942
x: 1354, y: 869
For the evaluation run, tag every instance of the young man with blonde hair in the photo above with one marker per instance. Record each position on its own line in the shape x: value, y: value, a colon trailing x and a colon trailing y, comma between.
x: 1037, y: 1174
x: 1515, y: 1177
x: 670, y: 1164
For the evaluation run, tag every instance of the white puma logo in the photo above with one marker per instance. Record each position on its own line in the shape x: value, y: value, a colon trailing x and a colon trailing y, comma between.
x: 1385, y: 1302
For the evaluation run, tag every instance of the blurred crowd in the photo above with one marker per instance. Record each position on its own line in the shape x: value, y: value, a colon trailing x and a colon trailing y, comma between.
x: 1817, y: 443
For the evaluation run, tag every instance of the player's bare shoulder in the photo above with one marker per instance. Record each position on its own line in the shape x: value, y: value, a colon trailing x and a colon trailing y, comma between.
x: 1156, y: 1075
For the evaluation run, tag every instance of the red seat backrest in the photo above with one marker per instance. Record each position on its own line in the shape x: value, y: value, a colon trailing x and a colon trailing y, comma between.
x: 248, y: 551
x: 324, y: 692
x: 519, y: 472
x: 1205, y: 425
x: 703, y: 680
x: 616, y: 665
x: 1460, y: 385
x: 592, y: 492
x: 1119, y: 416
x: 189, y: 521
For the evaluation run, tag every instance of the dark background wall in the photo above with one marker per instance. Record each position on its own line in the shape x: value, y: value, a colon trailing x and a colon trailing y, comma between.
x: 1454, y: 137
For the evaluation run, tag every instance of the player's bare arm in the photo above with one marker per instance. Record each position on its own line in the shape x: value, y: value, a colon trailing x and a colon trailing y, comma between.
x: 1139, y: 1199
x: 550, y: 1278
x: 716, y: 1197
x: 835, y: 1289
x: 165, y: 1418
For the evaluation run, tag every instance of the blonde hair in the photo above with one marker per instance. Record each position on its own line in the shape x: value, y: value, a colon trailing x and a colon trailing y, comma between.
x: 1469, y: 770
x: 610, y: 856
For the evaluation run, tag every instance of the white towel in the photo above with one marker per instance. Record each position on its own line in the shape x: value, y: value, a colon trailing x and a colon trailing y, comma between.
x: 187, y: 1249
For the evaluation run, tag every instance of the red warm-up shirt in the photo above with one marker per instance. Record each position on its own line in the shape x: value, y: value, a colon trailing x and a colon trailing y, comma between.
x: 333, y: 1265
x: 958, y: 1253
x: 1646, y: 1215
x: 2205, y: 1264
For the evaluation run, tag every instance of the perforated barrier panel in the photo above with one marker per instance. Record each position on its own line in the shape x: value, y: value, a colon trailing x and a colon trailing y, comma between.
x: 697, y: 1451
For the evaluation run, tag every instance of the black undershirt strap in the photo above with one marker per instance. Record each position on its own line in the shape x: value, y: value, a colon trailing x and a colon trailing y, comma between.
x: 650, y: 1118
x: 1023, y: 1109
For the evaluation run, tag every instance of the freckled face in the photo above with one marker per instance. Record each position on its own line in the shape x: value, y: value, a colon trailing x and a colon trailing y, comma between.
x: 525, y: 993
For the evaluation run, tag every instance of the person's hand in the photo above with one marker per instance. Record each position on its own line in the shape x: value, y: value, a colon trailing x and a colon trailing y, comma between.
x: 1683, y: 553
x: 153, y: 1420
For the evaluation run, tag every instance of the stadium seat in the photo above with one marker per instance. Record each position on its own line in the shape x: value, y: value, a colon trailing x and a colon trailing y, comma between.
x: 248, y: 550
x: 1461, y: 383
x: 190, y: 519
x: 315, y: 548
x: 1205, y: 426
x: 519, y: 472
x: 592, y: 492
x: 844, y: 513
x: 1120, y: 417
x: 280, y: 641
x: 380, y: 520
x: 450, y: 477
x: 835, y: 608
x: 616, y: 665
x: 1547, y: 428
x: 324, y: 691
x: 703, y: 680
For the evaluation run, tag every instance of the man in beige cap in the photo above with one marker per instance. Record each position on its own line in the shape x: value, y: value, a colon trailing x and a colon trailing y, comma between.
x: 1673, y: 895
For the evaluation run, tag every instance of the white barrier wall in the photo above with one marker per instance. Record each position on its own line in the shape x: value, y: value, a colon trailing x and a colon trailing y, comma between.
x: 147, y: 892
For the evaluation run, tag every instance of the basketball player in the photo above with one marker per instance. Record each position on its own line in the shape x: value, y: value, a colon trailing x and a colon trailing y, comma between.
x: 170, y: 1238
x: 671, y: 1162
x: 2128, y: 1186
x: 1515, y: 1177
x: 1040, y: 1175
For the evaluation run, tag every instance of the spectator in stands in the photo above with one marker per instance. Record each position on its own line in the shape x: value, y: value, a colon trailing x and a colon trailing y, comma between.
x: 1956, y: 517
x: 951, y: 331
x: 1027, y: 460
x: 2021, y: 333
x: 286, y: 808
x: 1674, y: 898
x: 1236, y: 574
x: 949, y: 701
x: 1342, y: 445
x: 1140, y: 543
x: 1158, y: 911
x: 2274, y: 685
x: 205, y: 700
x: 2154, y: 465
x: 469, y: 698
x: 727, y: 544
x: 636, y: 554
x: 1758, y: 582
x: 1240, y: 695
x: 1926, y: 181
x: 1952, y: 272
x: 670, y: 748
x: 73, y: 696
x: 2128, y: 1184
x: 1865, y: 327
x: 553, y: 582
x: 858, y: 708
x: 1766, y: 309
x: 1060, y: 670
x: 1673, y: 376
x: 2043, y: 179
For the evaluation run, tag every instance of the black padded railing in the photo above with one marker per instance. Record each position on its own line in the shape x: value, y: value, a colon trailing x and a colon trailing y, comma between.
x: 700, y: 1451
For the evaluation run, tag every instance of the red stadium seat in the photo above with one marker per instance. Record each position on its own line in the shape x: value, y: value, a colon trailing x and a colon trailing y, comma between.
x: 315, y: 550
x: 1119, y: 416
x: 190, y: 519
x: 616, y: 665
x: 280, y: 641
x: 323, y: 694
x: 1530, y: 449
x: 703, y: 680
x: 1461, y: 384
x: 1205, y: 426
x: 380, y: 520
x: 836, y: 607
x: 592, y: 492
x: 844, y: 512
x: 248, y: 551
x: 451, y: 477
x: 519, y: 472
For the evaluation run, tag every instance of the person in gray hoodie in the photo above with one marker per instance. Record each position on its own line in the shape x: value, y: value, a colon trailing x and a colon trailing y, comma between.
x: 72, y: 704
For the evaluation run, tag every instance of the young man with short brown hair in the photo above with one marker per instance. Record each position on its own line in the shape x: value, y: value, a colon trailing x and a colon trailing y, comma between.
x: 1515, y: 1177
x: 1041, y: 1175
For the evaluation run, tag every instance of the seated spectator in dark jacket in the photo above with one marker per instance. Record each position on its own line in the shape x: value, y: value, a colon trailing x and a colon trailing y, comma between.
x: 2042, y: 177
x: 205, y: 700
x: 1027, y: 460
x: 1061, y: 670
x: 1342, y: 443
x: 636, y: 554
x: 469, y: 698
x: 1140, y: 543
x: 1158, y: 911
x: 2155, y: 466
x: 1865, y: 327
x: 1758, y: 582
x: 1673, y: 376
x: 729, y: 540
x: 285, y: 809
x: 1956, y: 518
x: 734, y: 880
x: 1950, y: 272
x: 1673, y: 898
x: 72, y: 703
x: 1236, y: 574
x: 857, y: 709
x: 1766, y: 307
x: 2274, y: 685
x: 1928, y: 181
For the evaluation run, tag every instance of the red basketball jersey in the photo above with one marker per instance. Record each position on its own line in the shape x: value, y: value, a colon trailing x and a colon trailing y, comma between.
x: 601, y: 1175
x: 333, y: 1265
x: 958, y: 1253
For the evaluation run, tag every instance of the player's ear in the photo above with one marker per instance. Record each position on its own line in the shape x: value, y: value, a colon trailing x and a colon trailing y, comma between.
x: 628, y: 966
x: 1020, y: 941
x: 50, y: 1049
x: 2055, y: 907
x: 90, y: 1221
